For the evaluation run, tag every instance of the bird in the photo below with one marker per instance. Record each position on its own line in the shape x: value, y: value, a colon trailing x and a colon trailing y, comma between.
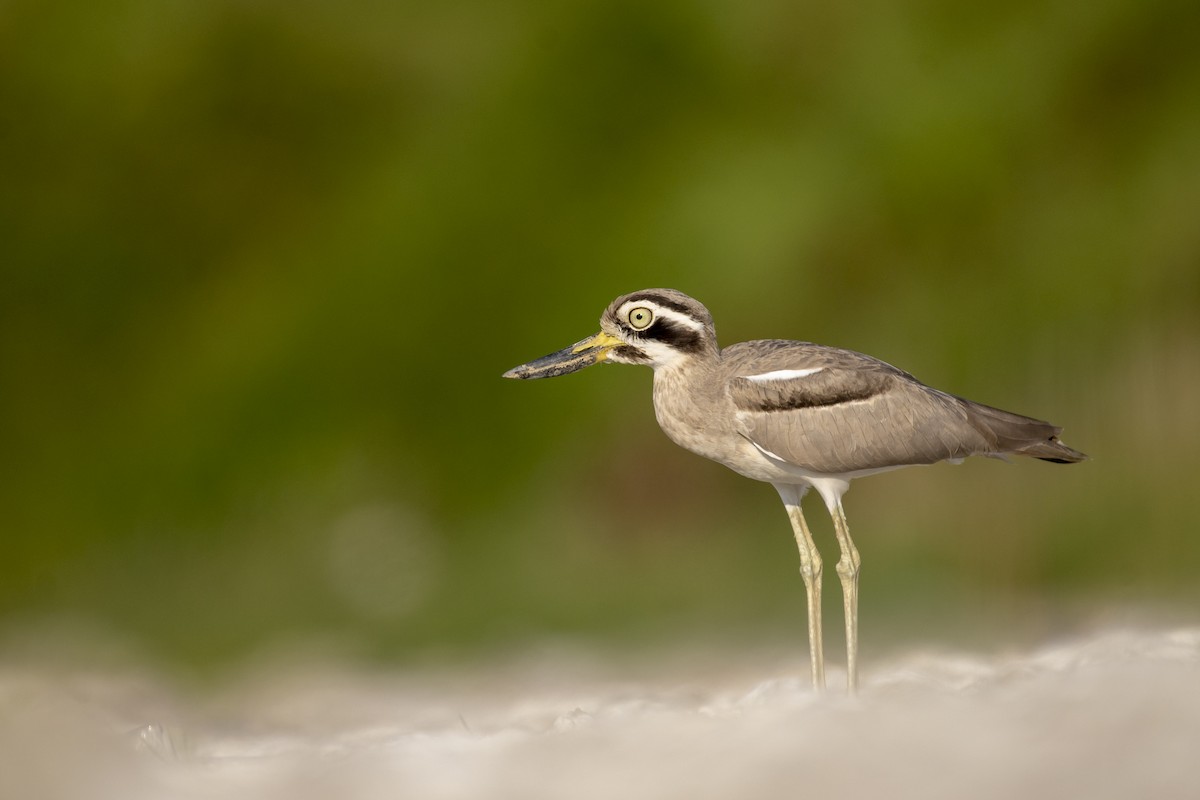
x: 799, y: 416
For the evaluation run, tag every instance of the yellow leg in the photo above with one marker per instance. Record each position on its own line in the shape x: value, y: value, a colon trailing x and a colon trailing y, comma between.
x: 810, y: 571
x: 847, y: 570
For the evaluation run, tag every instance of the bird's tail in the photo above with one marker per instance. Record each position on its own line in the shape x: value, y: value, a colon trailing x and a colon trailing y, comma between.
x: 1010, y: 433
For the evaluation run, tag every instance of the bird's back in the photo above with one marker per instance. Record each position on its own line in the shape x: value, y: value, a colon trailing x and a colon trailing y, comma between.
x: 834, y: 411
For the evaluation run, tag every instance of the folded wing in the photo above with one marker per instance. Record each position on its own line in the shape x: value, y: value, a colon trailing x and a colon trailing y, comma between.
x: 835, y: 411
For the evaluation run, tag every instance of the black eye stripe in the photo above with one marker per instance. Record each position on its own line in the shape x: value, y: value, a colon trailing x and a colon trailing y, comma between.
x: 679, y: 336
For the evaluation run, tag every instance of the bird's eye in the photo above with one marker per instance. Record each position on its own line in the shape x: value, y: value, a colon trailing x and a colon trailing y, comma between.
x: 640, y: 318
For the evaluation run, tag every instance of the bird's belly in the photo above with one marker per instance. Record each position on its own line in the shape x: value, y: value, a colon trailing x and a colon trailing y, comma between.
x: 740, y: 455
x: 726, y: 448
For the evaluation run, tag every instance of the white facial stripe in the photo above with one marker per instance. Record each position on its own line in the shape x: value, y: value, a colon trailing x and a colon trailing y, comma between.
x: 660, y: 313
x: 659, y: 354
x: 784, y: 374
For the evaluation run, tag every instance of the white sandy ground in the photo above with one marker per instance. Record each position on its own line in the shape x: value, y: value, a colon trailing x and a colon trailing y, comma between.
x: 1113, y: 715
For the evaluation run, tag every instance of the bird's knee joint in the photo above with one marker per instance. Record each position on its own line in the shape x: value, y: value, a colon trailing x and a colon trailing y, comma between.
x: 848, y: 567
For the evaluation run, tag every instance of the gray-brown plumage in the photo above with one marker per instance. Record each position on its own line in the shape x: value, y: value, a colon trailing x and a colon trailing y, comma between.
x: 858, y: 413
x: 797, y: 415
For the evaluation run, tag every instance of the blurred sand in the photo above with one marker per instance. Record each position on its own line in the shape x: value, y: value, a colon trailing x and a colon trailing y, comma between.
x: 1115, y: 715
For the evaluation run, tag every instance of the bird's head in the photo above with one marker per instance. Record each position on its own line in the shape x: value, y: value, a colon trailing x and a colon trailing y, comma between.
x: 656, y: 327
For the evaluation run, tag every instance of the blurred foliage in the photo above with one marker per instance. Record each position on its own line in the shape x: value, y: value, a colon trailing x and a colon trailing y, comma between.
x: 263, y: 263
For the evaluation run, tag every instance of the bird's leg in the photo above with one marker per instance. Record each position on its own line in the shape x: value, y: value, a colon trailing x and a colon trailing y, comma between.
x: 847, y: 570
x: 810, y: 571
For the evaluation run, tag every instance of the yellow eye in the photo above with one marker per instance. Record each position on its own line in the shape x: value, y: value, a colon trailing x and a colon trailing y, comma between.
x: 640, y: 318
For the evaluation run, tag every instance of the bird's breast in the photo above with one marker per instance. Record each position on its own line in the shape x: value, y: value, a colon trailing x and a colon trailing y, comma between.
x: 698, y: 416
x: 690, y: 412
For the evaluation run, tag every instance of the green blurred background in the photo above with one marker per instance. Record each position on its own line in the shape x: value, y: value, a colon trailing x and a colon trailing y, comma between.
x: 263, y: 264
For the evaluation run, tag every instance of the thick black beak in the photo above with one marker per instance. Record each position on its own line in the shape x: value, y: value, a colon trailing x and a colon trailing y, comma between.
x: 590, y: 351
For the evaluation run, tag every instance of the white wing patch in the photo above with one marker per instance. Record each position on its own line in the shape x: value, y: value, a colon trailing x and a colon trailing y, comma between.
x: 784, y: 374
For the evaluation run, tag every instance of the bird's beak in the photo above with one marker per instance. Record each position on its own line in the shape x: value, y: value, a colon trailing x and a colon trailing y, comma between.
x: 590, y: 351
